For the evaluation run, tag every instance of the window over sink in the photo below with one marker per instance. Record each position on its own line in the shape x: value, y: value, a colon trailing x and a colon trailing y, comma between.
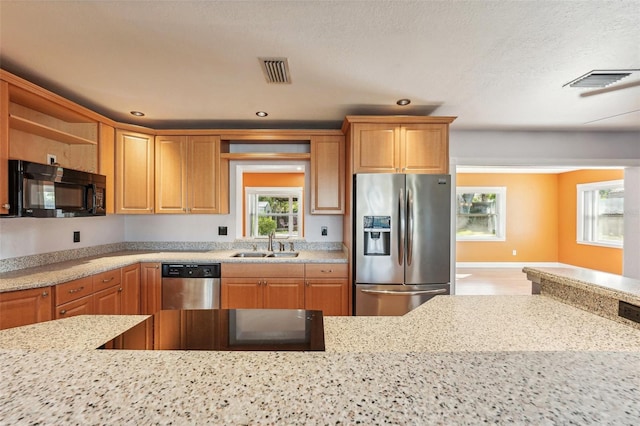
x: 277, y: 210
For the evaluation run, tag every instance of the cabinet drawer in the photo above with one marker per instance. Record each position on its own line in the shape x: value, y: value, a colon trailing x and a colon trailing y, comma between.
x: 326, y: 270
x: 83, y: 306
x: 261, y: 270
x: 73, y: 290
x: 107, y: 279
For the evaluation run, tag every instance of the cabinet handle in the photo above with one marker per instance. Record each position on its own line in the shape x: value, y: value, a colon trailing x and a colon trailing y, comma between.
x: 110, y: 279
x: 306, y: 283
x: 157, y: 266
x: 259, y: 282
x: 62, y: 312
x: 75, y: 290
x: 326, y: 271
x: 6, y: 206
x: 120, y: 289
x: 264, y: 282
x: 45, y: 293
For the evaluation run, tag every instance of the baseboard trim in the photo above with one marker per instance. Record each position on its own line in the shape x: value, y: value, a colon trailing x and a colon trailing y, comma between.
x: 511, y: 265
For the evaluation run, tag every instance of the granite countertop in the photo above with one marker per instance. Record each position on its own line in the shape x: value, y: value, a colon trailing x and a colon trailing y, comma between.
x: 454, y: 360
x: 61, y: 272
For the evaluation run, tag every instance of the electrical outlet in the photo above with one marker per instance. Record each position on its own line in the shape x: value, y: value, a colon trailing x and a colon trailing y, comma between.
x: 324, y: 231
x: 76, y: 236
x: 222, y: 230
x: 514, y: 252
x: 51, y: 159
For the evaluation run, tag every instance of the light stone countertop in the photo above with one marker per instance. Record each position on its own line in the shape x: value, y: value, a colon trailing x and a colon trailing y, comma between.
x: 454, y: 360
x: 60, y: 272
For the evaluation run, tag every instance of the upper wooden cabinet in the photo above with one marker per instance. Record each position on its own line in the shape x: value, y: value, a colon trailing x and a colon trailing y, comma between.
x: 327, y: 174
x: 134, y: 172
x: 398, y: 144
x: 190, y: 175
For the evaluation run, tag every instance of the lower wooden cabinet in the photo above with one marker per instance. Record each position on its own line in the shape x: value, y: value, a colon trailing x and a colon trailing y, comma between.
x: 130, y: 300
x: 314, y: 286
x: 150, y: 288
x: 327, y: 288
x: 25, y: 307
x: 273, y: 286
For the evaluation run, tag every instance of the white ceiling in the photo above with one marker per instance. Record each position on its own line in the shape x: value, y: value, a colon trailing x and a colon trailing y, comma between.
x: 494, y: 64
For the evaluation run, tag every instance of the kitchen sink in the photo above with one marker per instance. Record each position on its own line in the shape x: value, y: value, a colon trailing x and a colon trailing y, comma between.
x: 250, y: 254
x: 284, y: 254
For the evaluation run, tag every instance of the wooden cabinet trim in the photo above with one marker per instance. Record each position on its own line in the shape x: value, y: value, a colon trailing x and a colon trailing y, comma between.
x: 261, y: 270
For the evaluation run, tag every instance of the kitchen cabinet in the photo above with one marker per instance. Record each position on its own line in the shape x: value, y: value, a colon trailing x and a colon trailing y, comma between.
x: 4, y: 147
x: 107, y: 296
x: 25, y: 307
x: 190, y: 175
x: 398, y: 144
x: 327, y: 288
x: 150, y: 288
x: 107, y: 163
x: 268, y: 286
x: 130, y: 304
x: 74, y: 298
x: 327, y: 174
x: 134, y: 172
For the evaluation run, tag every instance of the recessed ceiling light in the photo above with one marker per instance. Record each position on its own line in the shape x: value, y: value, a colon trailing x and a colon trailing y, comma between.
x: 261, y: 114
x: 403, y: 102
x: 137, y: 113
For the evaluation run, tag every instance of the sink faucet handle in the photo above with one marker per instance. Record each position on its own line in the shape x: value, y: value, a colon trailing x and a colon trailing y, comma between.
x: 281, y: 245
x: 291, y: 246
x: 254, y: 247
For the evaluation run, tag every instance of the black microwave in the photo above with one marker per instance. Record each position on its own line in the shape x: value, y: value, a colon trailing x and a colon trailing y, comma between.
x: 41, y: 190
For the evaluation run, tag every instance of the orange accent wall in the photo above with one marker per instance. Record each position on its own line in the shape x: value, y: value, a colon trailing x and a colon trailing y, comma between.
x: 271, y: 180
x: 606, y: 259
x: 532, y: 219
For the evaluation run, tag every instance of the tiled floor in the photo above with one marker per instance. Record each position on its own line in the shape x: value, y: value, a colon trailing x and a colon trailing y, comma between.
x: 491, y: 281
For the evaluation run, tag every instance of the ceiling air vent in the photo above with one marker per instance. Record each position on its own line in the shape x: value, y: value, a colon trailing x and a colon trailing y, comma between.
x: 276, y: 70
x: 599, y: 78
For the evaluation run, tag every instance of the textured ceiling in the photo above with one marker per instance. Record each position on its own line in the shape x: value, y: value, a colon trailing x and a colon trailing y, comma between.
x: 495, y: 65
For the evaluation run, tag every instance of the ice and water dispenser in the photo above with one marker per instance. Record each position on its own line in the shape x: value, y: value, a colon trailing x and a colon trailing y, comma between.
x: 377, y: 235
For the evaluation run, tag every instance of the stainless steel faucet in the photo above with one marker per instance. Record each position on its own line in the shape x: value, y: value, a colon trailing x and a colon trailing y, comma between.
x: 280, y: 246
x: 271, y: 235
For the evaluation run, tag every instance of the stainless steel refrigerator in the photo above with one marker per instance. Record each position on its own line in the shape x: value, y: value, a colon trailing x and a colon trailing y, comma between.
x: 402, y: 235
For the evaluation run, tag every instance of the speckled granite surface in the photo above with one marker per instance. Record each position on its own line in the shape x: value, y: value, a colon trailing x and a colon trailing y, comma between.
x: 455, y: 360
x: 594, y: 291
x: 60, y: 272
x: 139, y: 387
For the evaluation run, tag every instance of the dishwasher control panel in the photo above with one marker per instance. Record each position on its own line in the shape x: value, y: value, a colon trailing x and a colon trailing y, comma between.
x: 189, y: 270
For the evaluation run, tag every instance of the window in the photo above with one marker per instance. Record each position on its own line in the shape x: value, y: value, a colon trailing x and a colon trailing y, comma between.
x: 276, y: 210
x: 481, y: 213
x: 601, y: 213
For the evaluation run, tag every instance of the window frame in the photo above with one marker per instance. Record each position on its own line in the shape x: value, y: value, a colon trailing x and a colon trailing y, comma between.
x: 581, y: 190
x: 501, y: 212
x: 285, y: 191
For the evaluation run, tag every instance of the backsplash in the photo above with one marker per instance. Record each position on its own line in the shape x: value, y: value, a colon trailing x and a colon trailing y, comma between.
x: 23, y: 262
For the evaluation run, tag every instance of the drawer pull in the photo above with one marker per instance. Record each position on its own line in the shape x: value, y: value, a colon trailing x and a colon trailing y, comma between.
x: 120, y: 289
x: 45, y: 293
x: 326, y: 271
x: 75, y: 290
x: 62, y: 312
x: 107, y: 280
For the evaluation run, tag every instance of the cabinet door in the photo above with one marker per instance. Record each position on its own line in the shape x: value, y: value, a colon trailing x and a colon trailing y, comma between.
x: 327, y: 175
x: 425, y: 148
x: 283, y: 293
x: 134, y: 173
x: 130, y: 290
x: 4, y: 148
x: 108, y: 301
x: 376, y: 148
x: 82, y: 306
x: 107, y: 163
x: 331, y: 296
x: 241, y: 293
x: 204, y: 182
x: 25, y: 307
x: 150, y: 288
x: 171, y: 174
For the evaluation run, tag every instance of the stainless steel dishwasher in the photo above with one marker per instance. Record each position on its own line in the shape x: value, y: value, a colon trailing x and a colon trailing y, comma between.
x: 190, y: 286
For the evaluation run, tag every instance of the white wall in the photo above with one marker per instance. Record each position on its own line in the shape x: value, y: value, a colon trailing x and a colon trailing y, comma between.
x: 631, y: 261
x: 28, y: 236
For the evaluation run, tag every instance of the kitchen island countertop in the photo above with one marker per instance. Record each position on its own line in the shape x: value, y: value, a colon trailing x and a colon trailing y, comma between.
x: 454, y: 360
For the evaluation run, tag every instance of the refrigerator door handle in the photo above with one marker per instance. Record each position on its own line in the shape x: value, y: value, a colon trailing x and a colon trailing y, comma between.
x: 402, y: 232
x: 405, y: 293
x: 409, y: 227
